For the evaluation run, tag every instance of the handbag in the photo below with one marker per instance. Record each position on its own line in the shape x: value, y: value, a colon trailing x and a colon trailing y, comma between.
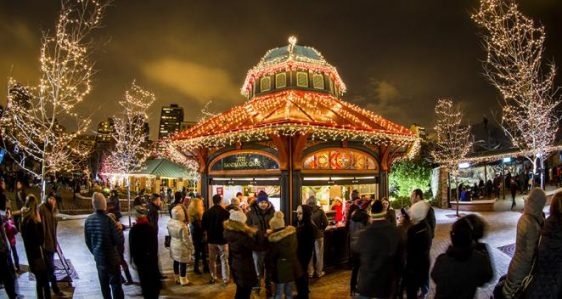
x: 167, y: 240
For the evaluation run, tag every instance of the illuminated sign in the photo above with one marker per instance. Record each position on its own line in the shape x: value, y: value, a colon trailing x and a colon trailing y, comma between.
x: 245, y: 161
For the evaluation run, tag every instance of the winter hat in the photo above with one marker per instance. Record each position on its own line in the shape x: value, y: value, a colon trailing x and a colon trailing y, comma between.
x: 278, y: 221
x: 235, y: 202
x: 99, y: 202
x: 535, y: 203
x: 262, y: 196
x: 418, y: 211
x: 311, y: 201
x: 237, y: 216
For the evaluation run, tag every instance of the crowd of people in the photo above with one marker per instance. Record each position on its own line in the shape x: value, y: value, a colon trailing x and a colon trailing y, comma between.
x: 248, y: 243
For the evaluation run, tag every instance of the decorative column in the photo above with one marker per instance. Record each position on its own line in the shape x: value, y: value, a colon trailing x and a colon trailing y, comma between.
x: 296, y: 197
x: 284, y: 187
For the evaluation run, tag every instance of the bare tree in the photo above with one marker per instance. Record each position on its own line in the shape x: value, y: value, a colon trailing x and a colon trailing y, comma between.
x: 454, y: 140
x: 132, y: 147
x: 514, y: 65
x: 32, y: 121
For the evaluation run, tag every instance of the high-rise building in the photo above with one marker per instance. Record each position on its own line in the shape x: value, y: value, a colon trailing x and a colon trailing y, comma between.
x: 105, y: 131
x: 171, y: 118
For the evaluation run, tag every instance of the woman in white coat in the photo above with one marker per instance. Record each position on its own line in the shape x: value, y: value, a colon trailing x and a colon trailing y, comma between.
x: 181, y: 247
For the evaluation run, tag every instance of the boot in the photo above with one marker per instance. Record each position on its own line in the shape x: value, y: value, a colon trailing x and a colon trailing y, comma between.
x: 184, y: 281
x: 177, y: 278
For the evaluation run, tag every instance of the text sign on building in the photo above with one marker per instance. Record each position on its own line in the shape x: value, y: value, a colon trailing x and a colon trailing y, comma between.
x: 245, y: 161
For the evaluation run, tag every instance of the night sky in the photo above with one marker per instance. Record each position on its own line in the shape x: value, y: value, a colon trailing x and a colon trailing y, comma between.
x: 396, y: 57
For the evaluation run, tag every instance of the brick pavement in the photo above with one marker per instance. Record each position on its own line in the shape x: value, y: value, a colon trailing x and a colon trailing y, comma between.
x: 333, y: 285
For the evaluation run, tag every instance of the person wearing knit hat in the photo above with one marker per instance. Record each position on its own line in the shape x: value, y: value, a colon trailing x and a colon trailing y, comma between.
x: 234, y: 205
x: 283, y: 255
x: 101, y: 234
x: 529, y: 229
x: 320, y: 221
x: 241, y: 240
x: 418, y: 246
x: 377, y: 211
x: 261, y: 211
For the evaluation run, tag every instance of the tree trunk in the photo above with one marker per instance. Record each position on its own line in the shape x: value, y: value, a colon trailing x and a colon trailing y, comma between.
x: 541, y: 161
x: 129, y: 198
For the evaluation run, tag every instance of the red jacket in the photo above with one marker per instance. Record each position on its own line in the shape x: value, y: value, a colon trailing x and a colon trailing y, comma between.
x: 11, y: 231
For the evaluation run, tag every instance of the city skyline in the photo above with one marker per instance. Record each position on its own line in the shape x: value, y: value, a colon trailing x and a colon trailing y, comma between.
x: 395, y: 58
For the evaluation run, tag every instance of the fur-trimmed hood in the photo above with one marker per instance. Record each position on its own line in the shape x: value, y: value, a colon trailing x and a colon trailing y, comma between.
x: 279, y: 235
x: 240, y: 227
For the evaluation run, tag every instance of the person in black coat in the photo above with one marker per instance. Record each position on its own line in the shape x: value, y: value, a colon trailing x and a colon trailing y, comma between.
x: 359, y: 220
x: 154, y: 209
x: 461, y: 270
x: 305, y: 245
x: 113, y: 205
x: 33, y: 239
x: 547, y: 282
x: 379, y: 249
x: 143, y: 247
x: 241, y: 242
x: 213, y: 220
x: 418, y: 245
x: 102, y: 240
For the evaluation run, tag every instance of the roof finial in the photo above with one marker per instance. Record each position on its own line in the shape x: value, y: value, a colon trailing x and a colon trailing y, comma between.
x: 292, y: 43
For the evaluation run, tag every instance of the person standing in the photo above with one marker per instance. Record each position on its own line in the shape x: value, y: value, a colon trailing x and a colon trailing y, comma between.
x: 461, y: 269
x: 143, y: 247
x: 282, y: 256
x: 513, y: 188
x: 7, y: 274
x: 417, y: 251
x: 547, y: 282
x: 181, y: 246
x: 389, y: 211
x: 195, y: 212
x: 19, y: 202
x: 234, y: 205
x: 213, y: 224
x: 359, y: 220
x: 3, y: 197
x: 48, y: 213
x: 121, y: 249
x: 417, y: 196
x: 320, y: 222
x: 241, y: 242
x: 113, y: 204
x: 102, y: 241
x: 379, y: 248
x: 528, y: 232
x: 33, y: 239
x: 153, y: 208
x: 305, y: 246
x: 260, y: 213
x: 337, y: 206
x: 11, y: 231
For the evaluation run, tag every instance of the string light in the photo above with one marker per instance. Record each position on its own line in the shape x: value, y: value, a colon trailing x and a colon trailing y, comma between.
x: 514, y: 65
x: 454, y: 140
x: 31, y: 122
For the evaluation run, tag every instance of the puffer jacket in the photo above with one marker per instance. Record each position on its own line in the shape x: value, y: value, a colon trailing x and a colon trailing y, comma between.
x: 547, y: 282
x: 528, y: 231
x: 181, y: 247
x: 102, y: 239
x: 241, y: 242
x: 282, y: 257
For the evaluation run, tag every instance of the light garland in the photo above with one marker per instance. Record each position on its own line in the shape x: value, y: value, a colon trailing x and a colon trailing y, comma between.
x: 291, y: 62
x: 454, y: 140
x: 131, y: 150
x: 31, y: 122
x: 514, y: 65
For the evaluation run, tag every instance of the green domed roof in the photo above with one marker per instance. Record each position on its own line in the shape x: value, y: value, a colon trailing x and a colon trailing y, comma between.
x: 283, y: 53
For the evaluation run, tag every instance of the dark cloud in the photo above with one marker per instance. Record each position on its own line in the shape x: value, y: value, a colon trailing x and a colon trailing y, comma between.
x: 396, y: 57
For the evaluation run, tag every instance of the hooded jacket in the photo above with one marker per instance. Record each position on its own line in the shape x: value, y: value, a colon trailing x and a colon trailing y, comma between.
x: 282, y: 256
x: 547, y: 282
x: 241, y: 242
x: 528, y: 231
x: 181, y: 247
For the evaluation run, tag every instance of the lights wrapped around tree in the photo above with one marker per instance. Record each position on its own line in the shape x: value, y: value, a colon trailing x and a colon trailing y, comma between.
x: 32, y: 121
x: 514, y: 65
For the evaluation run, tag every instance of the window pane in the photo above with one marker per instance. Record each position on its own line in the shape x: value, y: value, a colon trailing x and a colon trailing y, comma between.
x: 318, y: 81
x: 280, y: 80
x: 302, y: 79
x: 265, y: 84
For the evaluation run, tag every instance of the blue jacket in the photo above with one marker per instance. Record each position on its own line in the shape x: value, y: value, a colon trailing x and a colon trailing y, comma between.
x: 102, y: 239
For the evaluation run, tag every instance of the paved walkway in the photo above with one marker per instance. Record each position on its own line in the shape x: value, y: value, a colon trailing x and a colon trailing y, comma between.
x: 333, y: 285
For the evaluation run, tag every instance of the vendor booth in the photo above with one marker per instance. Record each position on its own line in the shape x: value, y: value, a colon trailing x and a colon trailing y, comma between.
x: 294, y: 138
